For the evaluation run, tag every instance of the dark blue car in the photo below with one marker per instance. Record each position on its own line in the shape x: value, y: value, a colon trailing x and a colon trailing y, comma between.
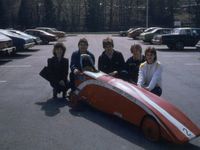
x: 19, y: 42
x: 37, y: 40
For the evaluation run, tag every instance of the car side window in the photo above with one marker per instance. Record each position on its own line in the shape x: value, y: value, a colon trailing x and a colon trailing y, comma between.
x: 198, y: 32
x: 185, y: 32
x: 188, y: 32
x: 195, y: 33
x: 159, y: 31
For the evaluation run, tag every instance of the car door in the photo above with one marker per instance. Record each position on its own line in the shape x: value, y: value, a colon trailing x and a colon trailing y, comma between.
x: 187, y: 37
x: 195, y: 35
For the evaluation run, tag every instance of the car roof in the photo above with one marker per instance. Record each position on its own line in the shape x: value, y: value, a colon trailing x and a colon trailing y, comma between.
x: 37, y: 30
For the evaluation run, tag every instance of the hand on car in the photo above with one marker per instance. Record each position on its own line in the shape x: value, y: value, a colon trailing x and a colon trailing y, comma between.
x: 77, y: 72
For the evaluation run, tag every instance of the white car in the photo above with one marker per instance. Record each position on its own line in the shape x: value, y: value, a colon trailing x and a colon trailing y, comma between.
x: 198, y: 45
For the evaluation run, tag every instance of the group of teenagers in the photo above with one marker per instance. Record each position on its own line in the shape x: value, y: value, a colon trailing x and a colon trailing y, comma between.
x: 143, y: 70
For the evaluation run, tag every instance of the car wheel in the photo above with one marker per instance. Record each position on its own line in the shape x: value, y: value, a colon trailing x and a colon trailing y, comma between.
x: 179, y: 45
x: 73, y: 100
x: 150, y: 129
x: 45, y: 42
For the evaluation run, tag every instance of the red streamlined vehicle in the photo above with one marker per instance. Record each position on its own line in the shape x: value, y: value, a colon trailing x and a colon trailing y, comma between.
x: 156, y: 117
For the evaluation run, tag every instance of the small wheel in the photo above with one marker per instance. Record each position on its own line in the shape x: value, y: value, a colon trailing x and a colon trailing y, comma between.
x: 74, y: 100
x: 150, y: 128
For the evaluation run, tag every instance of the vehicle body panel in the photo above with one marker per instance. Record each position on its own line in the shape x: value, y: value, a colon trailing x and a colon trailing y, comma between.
x: 6, y: 45
x: 198, y: 45
x: 148, y: 36
x: 135, y: 33
x: 20, y: 42
x: 181, y: 37
x: 125, y: 33
x: 54, y: 31
x: 37, y: 40
x: 44, y: 36
x: 132, y: 103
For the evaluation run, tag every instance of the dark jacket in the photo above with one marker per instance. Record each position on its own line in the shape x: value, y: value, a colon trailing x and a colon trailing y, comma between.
x: 75, y: 60
x: 107, y: 65
x: 58, y: 70
x: 132, y: 67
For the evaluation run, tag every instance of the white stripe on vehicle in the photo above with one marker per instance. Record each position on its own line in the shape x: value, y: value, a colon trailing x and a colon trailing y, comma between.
x: 94, y: 75
x: 168, y: 116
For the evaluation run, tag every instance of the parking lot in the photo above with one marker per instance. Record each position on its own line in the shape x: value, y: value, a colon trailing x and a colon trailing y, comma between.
x: 30, y: 119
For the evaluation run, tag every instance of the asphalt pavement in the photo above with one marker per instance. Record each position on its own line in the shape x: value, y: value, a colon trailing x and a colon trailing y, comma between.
x: 30, y: 119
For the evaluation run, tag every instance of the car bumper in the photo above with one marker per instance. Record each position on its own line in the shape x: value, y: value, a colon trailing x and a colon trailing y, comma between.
x: 38, y: 42
x: 8, y: 50
x: 156, y: 42
x: 28, y: 45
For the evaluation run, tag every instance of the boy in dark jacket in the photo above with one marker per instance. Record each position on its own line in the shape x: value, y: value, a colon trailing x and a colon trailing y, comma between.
x: 111, y: 61
x: 75, y: 64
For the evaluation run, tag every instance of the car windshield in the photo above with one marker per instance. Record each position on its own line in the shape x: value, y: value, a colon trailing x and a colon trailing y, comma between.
x: 176, y: 31
x: 54, y: 29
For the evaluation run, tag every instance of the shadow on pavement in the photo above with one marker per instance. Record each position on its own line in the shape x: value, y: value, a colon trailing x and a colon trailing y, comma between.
x: 52, y: 106
x: 2, y: 62
x: 7, y: 58
x: 29, y: 50
x: 126, y: 130
x: 15, y: 56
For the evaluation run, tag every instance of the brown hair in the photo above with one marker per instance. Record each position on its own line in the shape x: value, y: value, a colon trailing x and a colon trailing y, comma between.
x: 83, y: 40
x: 108, y: 41
x: 59, y: 45
x: 136, y: 46
x: 151, y: 50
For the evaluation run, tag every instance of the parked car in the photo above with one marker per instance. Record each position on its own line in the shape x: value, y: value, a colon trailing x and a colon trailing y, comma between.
x: 43, y: 35
x: 198, y: 45
x: 150, y: 29
x: 148, y: 36
x: 54, y: 31
x: 136, y: 32
x: 181, y: 37
x: 6, y: 45
x: 125, y: 33
x: 157, y: 39
x: 37, y: 40
x: 20, y: 42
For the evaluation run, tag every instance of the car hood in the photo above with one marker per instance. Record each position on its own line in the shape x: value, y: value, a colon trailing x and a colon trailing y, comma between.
x: 173, y: 121
x: 4, y: 38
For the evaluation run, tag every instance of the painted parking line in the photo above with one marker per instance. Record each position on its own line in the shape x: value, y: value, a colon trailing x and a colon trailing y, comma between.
x: 192, y: 64
x: 15, y: 66
x: 179, y: 56
x: 3, y: 81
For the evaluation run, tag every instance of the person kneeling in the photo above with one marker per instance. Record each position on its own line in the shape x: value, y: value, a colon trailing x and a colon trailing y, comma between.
x: 150, y: 73
x: 58, y: 68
